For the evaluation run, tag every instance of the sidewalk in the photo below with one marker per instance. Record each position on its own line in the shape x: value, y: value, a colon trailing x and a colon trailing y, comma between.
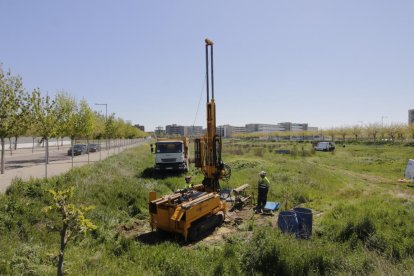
x: 58, y: 167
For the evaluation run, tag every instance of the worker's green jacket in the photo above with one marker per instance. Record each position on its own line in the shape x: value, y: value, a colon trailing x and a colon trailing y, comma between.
x: 264, y: 183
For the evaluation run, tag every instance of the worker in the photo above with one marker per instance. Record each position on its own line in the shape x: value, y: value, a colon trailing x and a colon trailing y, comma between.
x: 188, y: 182
x: 263, y: 189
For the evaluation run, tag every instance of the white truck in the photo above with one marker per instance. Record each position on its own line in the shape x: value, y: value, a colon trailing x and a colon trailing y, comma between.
x: 325, y: 146
x: 171, y: 154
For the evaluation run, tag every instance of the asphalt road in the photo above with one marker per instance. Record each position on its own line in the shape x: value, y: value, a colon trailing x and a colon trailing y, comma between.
x: 25, y: 164
x: 25, y: 158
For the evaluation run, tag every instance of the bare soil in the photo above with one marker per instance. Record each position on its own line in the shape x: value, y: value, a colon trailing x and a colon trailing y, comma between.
x: 236, y: 221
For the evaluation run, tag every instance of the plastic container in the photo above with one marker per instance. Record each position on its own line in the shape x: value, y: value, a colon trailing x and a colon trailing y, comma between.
x: 305, y: 218
x: 271, y: 206
x: 287, y: 222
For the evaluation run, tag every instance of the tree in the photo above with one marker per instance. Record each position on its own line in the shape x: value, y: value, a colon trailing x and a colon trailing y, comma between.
x: 322, y: 133
x: 32, y: 117
x: 22, y: 119
x: 46, y: 120
x: 65, y: 108
x: 373, y: 131
x: 390, y: 130
x: 410, y: 130
x: 343, y: 132
x: 332, y: 132
x: 401, y: 131
x: 110, y: 127
x: 99, y: 126
x: 74, y: 222
x: 12, y: 102
x: 85, y: 122
x: 356, y: 131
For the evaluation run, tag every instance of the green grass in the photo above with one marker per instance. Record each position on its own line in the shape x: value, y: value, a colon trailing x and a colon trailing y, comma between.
x: 363, y: 218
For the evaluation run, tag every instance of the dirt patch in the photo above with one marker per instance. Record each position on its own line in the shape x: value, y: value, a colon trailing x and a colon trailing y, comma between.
x: 137, y: 228
x: 240, y: 222
x: 402, y: 194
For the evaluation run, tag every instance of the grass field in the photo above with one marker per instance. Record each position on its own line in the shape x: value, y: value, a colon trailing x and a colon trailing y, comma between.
x: 363, y: 218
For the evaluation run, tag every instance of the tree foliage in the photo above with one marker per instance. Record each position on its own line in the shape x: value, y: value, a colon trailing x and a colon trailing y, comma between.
x: 14, y: 108
x: 73, y: 220
x: 45, y: 115
x: 85, y: 121
x: 65, y: 110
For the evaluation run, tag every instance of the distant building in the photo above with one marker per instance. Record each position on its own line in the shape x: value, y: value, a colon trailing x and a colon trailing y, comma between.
x: 193, y: 130
x: 288, y: 126
x: 159, y: 131
x: 263, y: 128
x: 229, y: 131
x: 410, y: 116
x: 174, y: 130
x: 140, y: 127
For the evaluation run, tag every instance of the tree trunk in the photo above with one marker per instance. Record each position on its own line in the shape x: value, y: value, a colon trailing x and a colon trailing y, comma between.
x: 100, y: 149
x: 10, y: 147
x: 87, y: 148
x: 71, y: 146
x: 57, y: 142
x: 33, y: 144
x: 15, y: 142
x: 2, y: 155
x: 46, y: 156
x: 62, y: 250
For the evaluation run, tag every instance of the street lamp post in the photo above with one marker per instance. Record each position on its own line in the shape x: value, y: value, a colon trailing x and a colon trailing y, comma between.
x: 106, y: 122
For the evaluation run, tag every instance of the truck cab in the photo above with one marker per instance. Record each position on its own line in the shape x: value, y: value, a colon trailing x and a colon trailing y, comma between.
x: 171, y: 155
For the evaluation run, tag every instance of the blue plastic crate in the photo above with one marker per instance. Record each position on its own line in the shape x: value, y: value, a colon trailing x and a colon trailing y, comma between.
x: 271, y: 206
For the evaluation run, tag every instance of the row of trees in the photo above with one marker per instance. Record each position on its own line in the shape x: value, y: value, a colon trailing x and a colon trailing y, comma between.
x: 24, y: 113
x: 371, y: 132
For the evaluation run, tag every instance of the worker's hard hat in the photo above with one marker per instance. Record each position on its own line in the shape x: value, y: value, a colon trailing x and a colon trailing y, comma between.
x: 262, y: 173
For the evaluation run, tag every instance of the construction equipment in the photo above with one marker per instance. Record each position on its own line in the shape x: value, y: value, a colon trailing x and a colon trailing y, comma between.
x: 171, y: 154
x: 195, y: 212
x: 241, y: 198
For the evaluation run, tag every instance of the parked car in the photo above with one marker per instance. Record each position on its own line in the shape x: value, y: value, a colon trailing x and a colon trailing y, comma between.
x: 94, y: 147
x: 325, y: 146
x: 78, y: 149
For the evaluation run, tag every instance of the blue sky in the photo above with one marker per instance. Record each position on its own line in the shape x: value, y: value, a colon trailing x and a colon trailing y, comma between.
x: 326, y: 63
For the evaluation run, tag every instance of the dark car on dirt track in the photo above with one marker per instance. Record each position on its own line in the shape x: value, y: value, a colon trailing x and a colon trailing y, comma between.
x: 78, y: 149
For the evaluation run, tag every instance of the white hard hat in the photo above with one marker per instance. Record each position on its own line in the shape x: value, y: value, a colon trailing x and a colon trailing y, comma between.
x: 262, y: 173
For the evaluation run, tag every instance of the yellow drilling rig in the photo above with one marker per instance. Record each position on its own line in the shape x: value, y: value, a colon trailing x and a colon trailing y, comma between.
x: 195, y: 212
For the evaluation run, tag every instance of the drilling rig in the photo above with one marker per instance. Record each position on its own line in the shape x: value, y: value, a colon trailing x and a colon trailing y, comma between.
x: 207, y: 153
x: 195, y: 212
